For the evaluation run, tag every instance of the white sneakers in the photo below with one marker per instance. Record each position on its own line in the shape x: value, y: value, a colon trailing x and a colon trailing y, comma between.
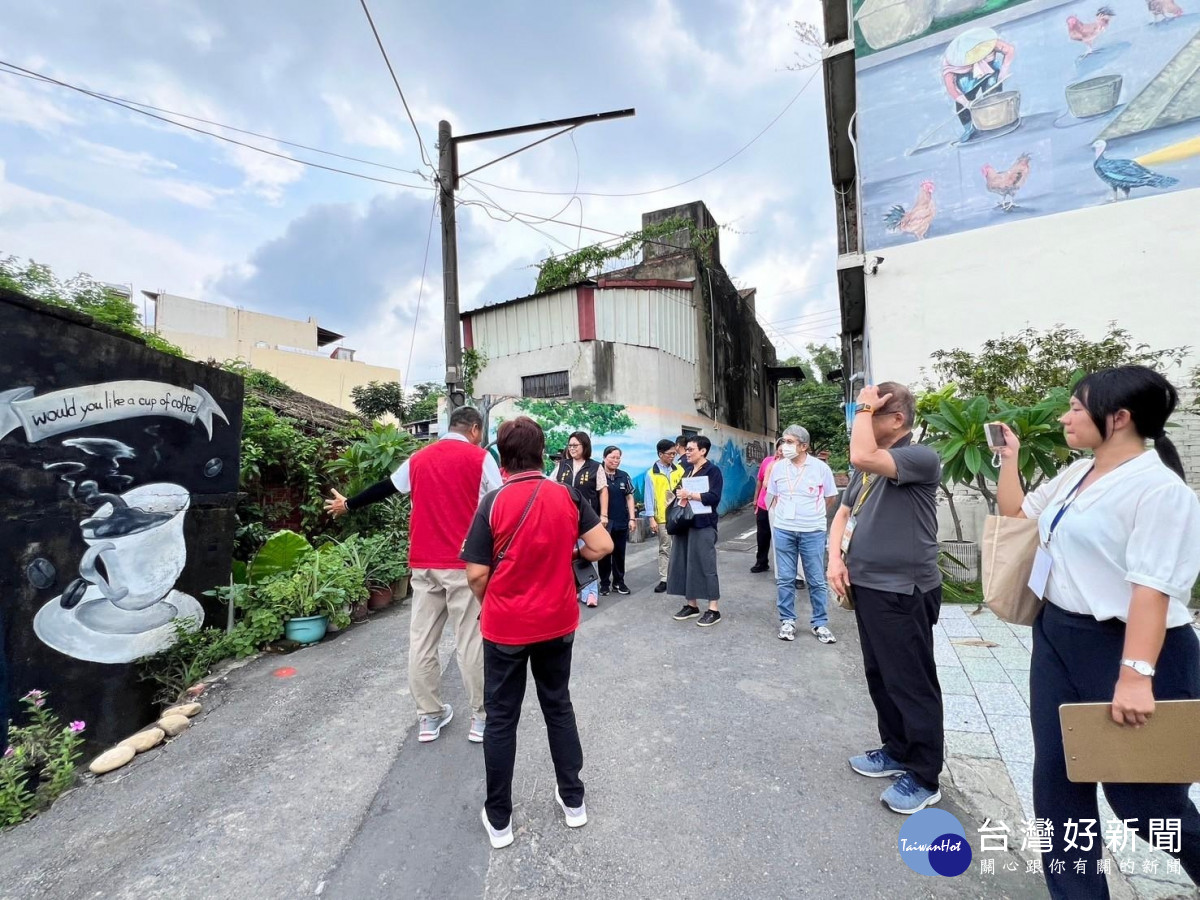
x: 500, y: 838
x: 576, y: 817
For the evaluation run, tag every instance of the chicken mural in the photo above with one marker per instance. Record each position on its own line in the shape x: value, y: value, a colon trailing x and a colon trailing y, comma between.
x: 1123, y: 175
x: 1162, y: 10
x: 1087, y: 32
x: 917, y: 220
x: 1008, y: 183
x: 1026, y: 105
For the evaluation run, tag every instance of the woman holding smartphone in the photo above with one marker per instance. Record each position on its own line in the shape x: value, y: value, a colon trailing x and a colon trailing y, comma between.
x: 1121, y: 529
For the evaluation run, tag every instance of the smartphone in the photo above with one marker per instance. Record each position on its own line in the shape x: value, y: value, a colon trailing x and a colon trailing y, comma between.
x: 995, y: 435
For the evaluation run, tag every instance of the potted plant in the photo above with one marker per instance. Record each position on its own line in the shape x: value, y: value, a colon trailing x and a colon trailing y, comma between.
x: 315, y: 594
x: 394, y: 559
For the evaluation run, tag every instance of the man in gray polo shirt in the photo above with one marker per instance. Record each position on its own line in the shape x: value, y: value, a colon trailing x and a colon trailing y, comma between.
x: 883, y: 551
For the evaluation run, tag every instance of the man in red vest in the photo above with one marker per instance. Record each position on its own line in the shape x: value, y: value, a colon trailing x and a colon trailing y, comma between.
x: 446, y: 480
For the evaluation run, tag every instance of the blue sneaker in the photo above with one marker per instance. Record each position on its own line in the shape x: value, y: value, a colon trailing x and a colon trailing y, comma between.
x: 876, y: 764
x: 906, y: 797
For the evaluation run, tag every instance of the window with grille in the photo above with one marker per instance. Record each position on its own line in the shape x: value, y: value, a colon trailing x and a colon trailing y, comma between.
x: 549, y: 384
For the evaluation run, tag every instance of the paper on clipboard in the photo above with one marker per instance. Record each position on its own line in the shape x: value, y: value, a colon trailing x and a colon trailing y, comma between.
x: 1160, y: 752
x: 697, y: 485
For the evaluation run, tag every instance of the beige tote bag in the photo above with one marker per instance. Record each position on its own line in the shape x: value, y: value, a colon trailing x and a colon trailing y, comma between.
x: 1009, y: 548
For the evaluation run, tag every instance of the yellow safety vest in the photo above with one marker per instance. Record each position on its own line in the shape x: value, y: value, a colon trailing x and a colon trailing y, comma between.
x: 663, y: 486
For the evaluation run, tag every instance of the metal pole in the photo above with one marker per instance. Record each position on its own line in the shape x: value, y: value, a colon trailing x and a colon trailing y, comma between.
x: 447, y: 176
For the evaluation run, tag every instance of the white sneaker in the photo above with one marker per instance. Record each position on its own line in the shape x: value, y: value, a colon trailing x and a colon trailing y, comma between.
x: 787, y: 631
x: 500, y: 838
x: 824, y: 635
x: 576, y: 815
x: 475, y: 735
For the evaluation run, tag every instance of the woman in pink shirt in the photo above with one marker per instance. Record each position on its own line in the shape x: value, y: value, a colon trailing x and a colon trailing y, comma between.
x: 761, y: 518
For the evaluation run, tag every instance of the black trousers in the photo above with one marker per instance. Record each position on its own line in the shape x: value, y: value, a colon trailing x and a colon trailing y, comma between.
x: 503, y: 692
x: 1076, y: 659
x: 896, y: 632
x: 613, y: 565
x: 763, y: 522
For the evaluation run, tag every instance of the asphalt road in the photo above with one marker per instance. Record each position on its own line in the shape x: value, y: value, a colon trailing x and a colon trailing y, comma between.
x: 714, y: 765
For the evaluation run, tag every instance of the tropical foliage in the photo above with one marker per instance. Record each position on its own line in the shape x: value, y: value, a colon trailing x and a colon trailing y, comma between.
x: 39, y: 763
x: 816, y: 404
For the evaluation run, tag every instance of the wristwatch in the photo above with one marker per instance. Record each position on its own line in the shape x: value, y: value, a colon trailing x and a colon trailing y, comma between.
x: 865, y: 408
x: 1140, y: 666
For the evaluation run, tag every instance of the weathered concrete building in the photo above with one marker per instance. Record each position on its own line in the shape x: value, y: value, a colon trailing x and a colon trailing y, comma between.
x: 665, y: 347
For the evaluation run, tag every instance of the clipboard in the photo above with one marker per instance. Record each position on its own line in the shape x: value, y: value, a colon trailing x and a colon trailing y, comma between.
x: 1163, y: 751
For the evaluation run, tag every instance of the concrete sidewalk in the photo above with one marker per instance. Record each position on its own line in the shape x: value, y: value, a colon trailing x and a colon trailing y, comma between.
x: 983, y: 667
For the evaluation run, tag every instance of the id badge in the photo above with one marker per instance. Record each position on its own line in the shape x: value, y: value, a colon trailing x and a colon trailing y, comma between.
x: 787, y: 509
x: 848, y: 533
x: 1040, y: 575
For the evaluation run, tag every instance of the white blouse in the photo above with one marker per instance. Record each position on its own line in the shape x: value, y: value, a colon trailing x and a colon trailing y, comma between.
x: 1136, y: 525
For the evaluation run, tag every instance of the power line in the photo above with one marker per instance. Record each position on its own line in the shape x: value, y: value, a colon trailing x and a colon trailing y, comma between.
x: 396, y: 81
x: 220, y: 137
x: 266, y: 137
x: 809, y: 315
x: 669, y: 187
x: 420, y: 294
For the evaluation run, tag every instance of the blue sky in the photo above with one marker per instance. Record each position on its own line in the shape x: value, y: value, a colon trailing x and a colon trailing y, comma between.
x: 86, y: 186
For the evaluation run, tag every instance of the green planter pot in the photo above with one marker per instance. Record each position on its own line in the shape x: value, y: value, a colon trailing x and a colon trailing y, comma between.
x: 306, y: 629
x: 400, y: 587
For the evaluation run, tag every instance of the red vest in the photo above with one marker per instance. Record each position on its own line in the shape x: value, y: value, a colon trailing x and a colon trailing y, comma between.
x: 445, y: 478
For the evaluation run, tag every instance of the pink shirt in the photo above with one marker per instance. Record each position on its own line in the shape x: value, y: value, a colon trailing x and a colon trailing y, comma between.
x: 762, y: 476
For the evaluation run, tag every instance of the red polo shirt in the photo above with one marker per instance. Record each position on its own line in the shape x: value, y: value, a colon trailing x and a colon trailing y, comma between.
x: 445, y: 477
x: 531, y: 594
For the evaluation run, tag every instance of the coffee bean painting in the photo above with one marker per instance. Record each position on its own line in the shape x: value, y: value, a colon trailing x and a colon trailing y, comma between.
x: 119, y: 467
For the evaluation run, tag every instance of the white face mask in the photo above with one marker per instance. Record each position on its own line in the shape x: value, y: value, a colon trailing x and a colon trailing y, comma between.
x: 790, y: 451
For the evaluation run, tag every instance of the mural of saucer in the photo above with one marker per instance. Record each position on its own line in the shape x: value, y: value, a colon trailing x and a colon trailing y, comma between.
x: 66, y: 632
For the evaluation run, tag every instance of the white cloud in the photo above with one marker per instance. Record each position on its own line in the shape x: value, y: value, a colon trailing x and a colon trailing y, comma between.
x: 265, y: 175
x: 71, y: 237
x: 358, y: 126
x: 24, y: 102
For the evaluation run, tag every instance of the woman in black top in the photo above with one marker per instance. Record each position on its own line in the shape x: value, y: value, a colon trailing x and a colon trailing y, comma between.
x: 583, y: 473
x: 693, y: 569
x: 620, y: 507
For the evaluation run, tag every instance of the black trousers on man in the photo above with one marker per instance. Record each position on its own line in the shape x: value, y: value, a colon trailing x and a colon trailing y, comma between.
x: 896, y: 632
x: 763, y: 522
x: 1076, y: 659
x: 504, y: 669
x: 612, y: 567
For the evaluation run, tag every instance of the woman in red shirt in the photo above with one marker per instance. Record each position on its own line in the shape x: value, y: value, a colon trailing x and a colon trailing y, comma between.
x: 518, y: 555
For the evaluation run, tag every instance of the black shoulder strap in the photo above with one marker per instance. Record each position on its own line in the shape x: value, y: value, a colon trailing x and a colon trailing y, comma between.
x: 528, y: 506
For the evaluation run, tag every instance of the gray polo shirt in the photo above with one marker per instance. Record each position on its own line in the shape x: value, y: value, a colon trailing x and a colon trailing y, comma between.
x: 895, y: 546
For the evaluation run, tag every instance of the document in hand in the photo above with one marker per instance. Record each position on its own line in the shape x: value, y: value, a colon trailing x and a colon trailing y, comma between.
x: 1163, y: 751
x: 699, y: 486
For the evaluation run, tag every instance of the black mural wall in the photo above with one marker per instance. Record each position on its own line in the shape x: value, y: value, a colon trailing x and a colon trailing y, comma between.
x: 118, y: 482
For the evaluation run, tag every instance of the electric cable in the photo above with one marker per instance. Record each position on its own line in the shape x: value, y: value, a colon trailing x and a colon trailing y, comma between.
x: 220, y: 137
x: 420, y: 293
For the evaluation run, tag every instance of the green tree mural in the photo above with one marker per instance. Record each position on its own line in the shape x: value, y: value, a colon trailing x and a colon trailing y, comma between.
x: 559, y: 418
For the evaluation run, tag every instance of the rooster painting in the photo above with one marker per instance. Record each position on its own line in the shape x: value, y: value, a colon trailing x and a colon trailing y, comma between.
x: 1123, y: 175
x: 1007, y: 184
x: 917, y: 220
x: 1164, y: 9
x: 1087, y: 32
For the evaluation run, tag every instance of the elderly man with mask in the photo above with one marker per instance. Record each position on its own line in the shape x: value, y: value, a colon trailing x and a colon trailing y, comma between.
x: 800, y: 492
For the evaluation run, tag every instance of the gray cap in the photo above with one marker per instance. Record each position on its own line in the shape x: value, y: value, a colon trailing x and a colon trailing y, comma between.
x: 798, y: 432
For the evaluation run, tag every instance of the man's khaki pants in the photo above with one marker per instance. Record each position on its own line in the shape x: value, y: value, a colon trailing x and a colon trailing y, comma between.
x: 440, y: 595
x: 664, y: 551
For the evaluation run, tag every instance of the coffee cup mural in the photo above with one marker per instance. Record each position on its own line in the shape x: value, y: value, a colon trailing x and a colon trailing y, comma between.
x: 136, y: 550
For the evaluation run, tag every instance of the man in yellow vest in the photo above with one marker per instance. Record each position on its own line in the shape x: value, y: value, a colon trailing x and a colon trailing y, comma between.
x: 661, y: 481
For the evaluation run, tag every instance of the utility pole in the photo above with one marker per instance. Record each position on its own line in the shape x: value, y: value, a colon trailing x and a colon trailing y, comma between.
x: 448, y: 179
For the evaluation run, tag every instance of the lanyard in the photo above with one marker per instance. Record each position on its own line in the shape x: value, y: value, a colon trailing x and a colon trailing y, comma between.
x: 867, y: 484
x: 1067, y: 503
x: 794, y: 484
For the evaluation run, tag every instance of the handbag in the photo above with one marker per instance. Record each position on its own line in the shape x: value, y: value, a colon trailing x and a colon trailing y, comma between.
x: 1009, y: 548
x: 585, y: 572
x: 679, y: 518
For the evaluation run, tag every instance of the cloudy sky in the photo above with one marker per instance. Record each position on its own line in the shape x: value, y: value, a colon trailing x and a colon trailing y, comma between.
x: 88, y: 186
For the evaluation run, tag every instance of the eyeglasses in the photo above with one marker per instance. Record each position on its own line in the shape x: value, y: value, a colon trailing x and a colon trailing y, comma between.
x: 574, y: 445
